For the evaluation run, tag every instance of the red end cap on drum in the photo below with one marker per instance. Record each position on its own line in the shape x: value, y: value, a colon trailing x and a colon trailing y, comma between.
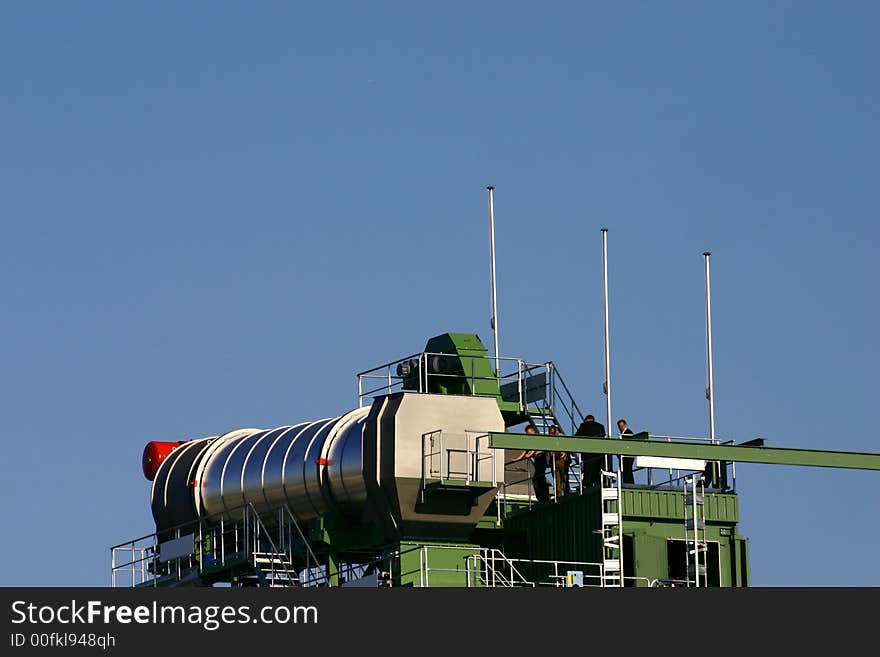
x: 154, y: 453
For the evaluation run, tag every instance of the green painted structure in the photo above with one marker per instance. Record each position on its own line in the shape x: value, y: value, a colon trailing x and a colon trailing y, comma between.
x: 742, y: 453
x: 653, y: 533
x: 519, y: 541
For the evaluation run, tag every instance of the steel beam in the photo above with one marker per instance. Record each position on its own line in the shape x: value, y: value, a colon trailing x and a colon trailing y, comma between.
x: 740, y: 453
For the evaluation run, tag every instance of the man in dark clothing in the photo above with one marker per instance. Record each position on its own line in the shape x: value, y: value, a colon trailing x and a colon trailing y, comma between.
x: 626, y: 464
x: 539, y: 479
x: 591, y: 464
x: 589, y: 427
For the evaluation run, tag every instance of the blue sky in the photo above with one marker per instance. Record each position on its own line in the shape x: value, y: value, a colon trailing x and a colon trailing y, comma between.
x: 214, y: 214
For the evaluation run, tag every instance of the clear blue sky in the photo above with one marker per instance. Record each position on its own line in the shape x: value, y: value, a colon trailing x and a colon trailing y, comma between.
x: 213, y: 214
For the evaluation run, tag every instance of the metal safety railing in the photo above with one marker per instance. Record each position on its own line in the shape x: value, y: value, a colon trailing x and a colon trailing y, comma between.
x: 132, y: 563
x: 675, y: 477
x: 516, y: 381
x: 464, y: 458
x: 270, y: 544
x: 452, y: 576
x: 490, y: 568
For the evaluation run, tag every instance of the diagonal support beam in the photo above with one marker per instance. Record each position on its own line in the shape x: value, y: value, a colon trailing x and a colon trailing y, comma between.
x: 739, y: 453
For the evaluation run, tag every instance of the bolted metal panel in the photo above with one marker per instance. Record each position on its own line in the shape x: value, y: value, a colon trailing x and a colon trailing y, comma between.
x: 653, y: 503
x: 722, y: 507
x: 564, y: 531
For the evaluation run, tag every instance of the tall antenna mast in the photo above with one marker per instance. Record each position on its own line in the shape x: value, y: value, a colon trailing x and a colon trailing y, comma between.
x: 494, y: 320
x: 607, y: 385
x: 710, y: 389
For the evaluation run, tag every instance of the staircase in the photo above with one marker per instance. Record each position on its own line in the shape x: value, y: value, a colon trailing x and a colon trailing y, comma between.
x: 542, y: 417
x: 273, y: 569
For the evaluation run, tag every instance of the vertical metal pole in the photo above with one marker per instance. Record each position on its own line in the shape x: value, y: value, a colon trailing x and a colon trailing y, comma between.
x: 607, y: 386
x: 696, y: 530
x: 687, y: 559
x: 494, y: 322
x: 710, y: 389
x: 519, y: 383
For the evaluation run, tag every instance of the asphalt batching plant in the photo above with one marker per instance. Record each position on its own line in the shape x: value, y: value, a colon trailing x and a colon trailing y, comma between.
x: 420, y: 485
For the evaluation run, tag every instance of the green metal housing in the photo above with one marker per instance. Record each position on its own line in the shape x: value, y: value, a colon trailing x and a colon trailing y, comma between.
x: 547, y: 543
x: 653, y: 530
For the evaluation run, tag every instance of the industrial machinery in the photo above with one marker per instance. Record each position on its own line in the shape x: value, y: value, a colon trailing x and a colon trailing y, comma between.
x: 418, y: 486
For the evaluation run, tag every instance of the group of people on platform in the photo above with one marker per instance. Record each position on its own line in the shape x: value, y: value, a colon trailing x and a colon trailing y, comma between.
x: 591, y: 464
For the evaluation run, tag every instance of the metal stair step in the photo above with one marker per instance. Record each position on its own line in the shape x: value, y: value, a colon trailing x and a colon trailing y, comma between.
x: 610, y: 519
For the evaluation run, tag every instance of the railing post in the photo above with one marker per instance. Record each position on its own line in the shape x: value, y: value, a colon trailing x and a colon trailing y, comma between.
x: 422, y: 567
x: 423, y: 468
x: 281, y: 531
x: 519, y: 383
x: 468, y: 459
x: 423, y: 370
x: 494, y: 466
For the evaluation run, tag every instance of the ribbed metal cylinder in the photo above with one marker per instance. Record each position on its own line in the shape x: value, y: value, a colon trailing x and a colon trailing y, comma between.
x: 312, y: 467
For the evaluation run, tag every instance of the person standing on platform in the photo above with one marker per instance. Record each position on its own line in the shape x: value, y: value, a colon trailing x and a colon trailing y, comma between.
x: 562, y: 462
x: 541, y: 462
x: 626, y: 462
x: 591, y: 464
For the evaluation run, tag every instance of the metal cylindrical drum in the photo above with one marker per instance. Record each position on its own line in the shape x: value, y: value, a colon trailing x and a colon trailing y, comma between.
x: 312, y: 467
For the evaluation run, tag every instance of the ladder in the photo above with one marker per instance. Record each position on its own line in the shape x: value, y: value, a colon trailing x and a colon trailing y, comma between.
x: 696, y: 548
x: 612, y: 529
